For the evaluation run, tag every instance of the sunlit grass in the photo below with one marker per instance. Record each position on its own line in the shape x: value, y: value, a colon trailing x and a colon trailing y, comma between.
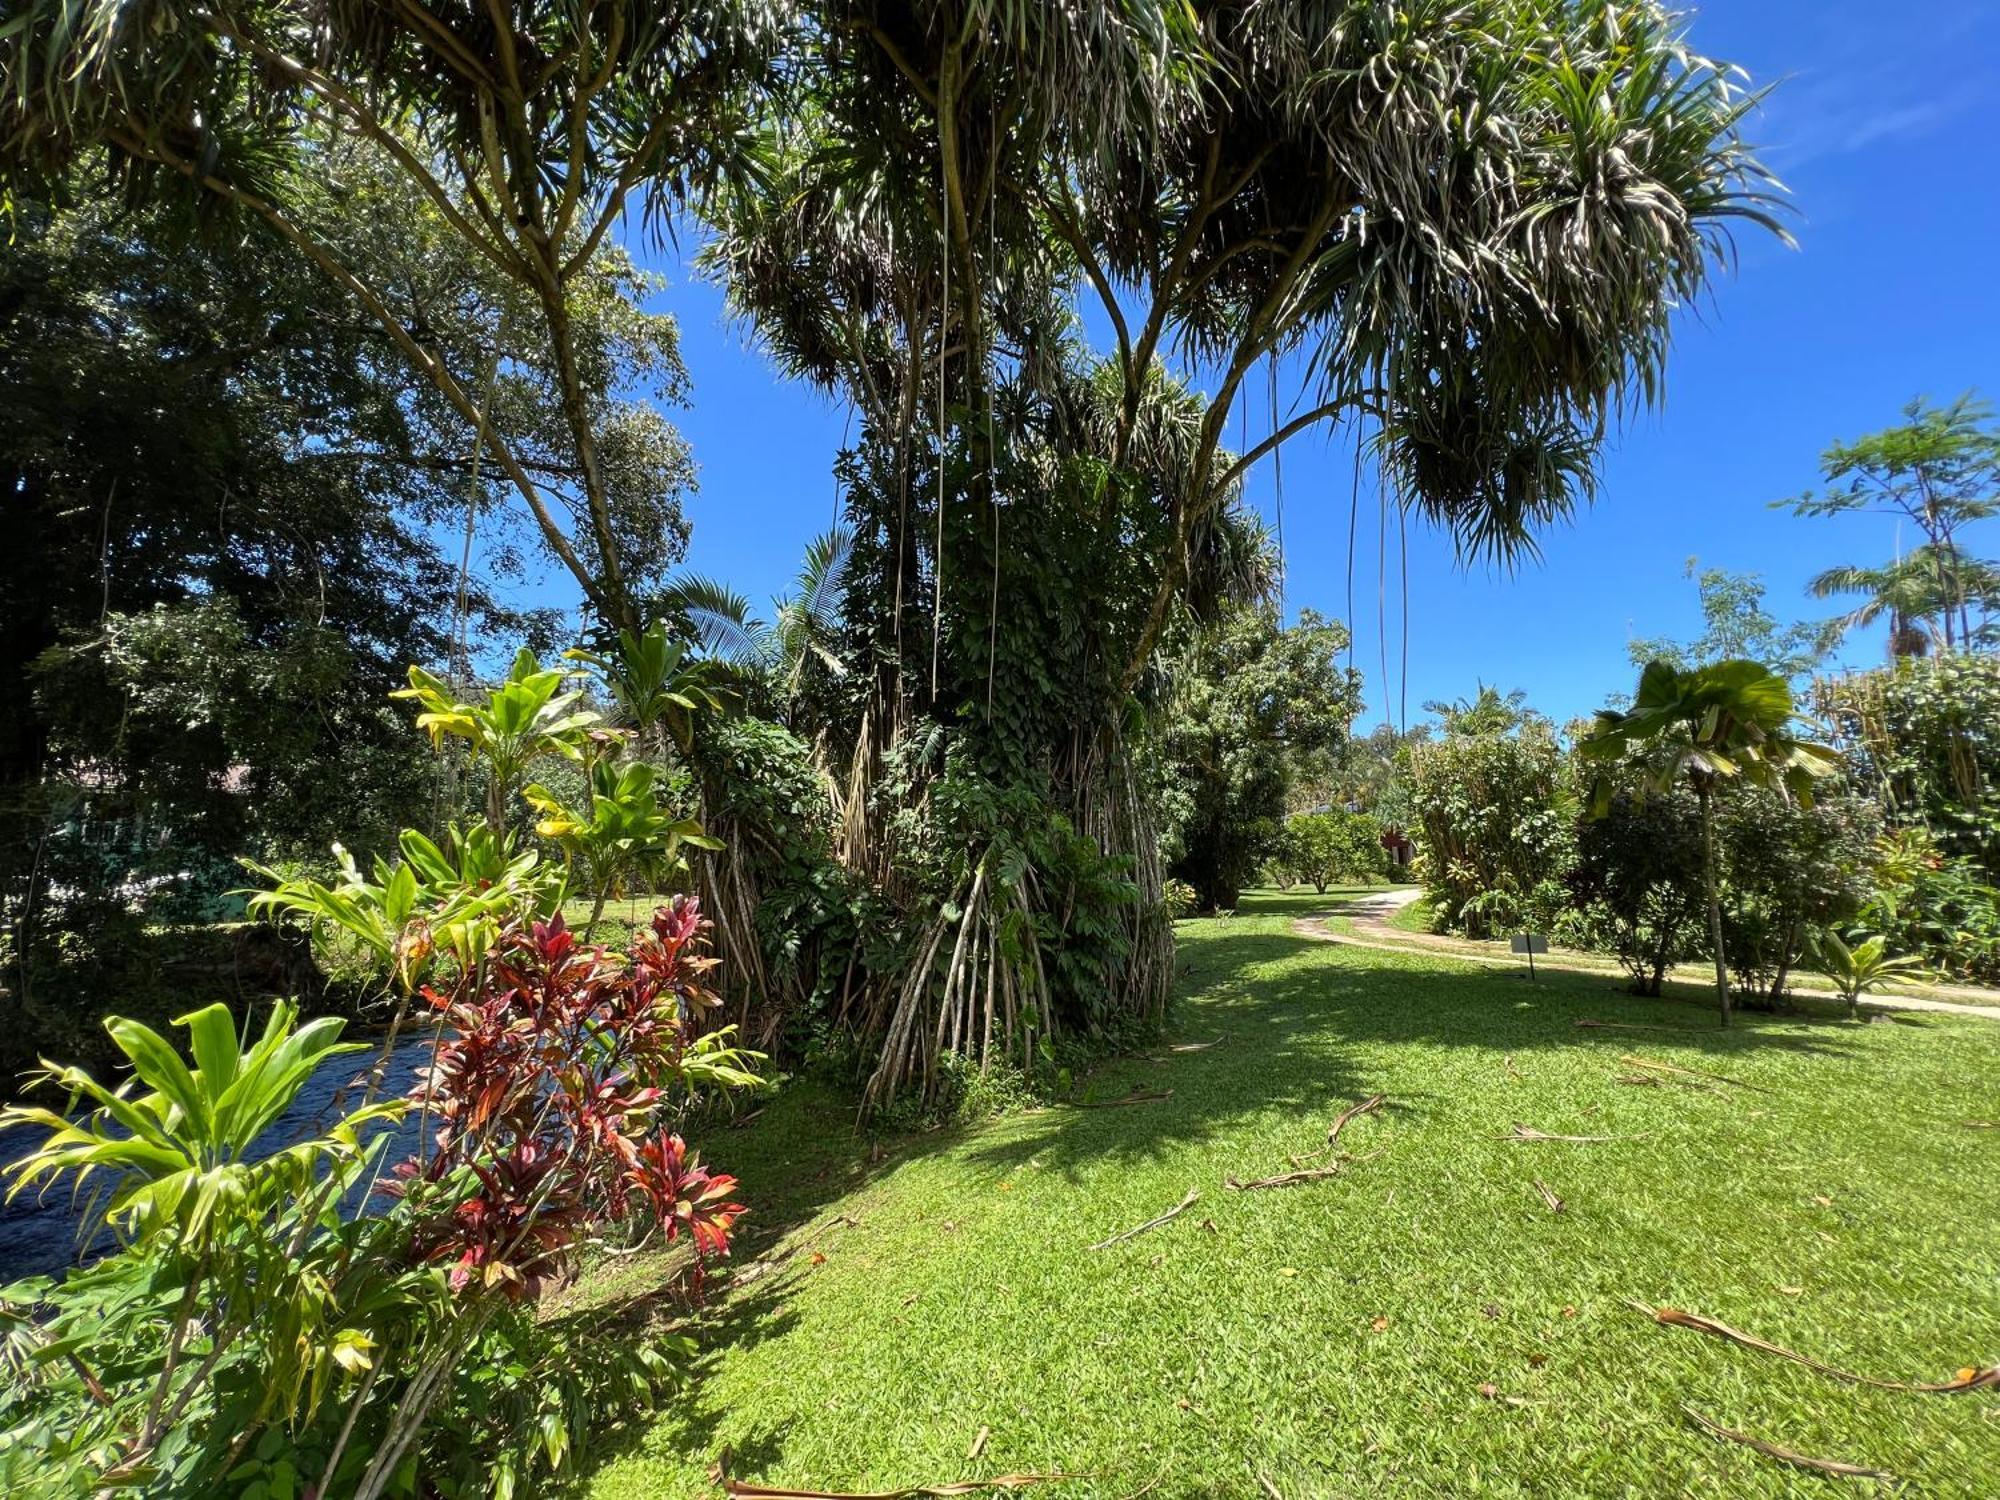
x: 1422, y: 1325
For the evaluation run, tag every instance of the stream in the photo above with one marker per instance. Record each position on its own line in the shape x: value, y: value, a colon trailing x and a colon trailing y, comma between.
x: 39, y: 1229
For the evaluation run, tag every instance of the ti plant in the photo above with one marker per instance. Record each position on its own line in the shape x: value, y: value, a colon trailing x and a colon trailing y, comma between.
x: 1861, y: 967
x: 531, y: 714
x: 621, y: 834
x: 218, y: 1295
x: 437, y: 901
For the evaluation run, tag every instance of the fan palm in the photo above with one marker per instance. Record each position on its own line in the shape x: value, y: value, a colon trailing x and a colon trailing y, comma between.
x: 805, y: 623
x: 1729, y: 721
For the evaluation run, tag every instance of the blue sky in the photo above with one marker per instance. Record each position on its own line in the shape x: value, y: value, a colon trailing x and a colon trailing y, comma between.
x: 1884, y: 124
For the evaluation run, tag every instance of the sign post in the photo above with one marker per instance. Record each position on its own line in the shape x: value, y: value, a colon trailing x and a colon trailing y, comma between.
x: 1530, y: 943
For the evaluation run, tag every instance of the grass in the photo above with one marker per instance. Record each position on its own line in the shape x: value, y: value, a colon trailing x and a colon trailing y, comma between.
x: 1334, y: 1338
x: 1413, y: 916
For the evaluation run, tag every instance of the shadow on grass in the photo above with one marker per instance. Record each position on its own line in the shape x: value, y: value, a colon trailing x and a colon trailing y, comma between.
x: 1303, y: 1026
x: 1272, y: 1020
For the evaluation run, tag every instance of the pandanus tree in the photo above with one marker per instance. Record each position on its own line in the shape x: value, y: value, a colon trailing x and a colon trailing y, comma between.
x: 1730, y: 722
x: 1462, y: 226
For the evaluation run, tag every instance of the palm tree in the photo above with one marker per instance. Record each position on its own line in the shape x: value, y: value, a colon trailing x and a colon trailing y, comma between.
x: 1729, y: 721
x: 1920, y: 595
x: 805, y: 623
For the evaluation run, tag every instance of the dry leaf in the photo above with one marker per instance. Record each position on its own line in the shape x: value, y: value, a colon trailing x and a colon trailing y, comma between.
x: 1786, y: 1455
x: 978, y: 1444
x: 819, y: 1258
x: 1969, y: 1378
x: 1556, y: 1205
x: 1138, y: 1229
x: 1288, y: 1270
x: 1793, y: 1291
x: 1522, y: 1132
x: 1367, y: 1106
x: 1822, y: 1200
x: 1380, y: 1325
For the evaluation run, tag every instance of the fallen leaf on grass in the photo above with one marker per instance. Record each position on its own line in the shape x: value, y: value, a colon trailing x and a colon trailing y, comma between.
x: 1283, y: 1179
x: 1522, y: 1132
x: 1793, y: 1291
x: 718, y: 1474
x: 1137, y: 1096
x: 1198, y: 1046
x: 819, y: 1258
x: 742, y: 1491
x: 1786, y: 1455
x: 1629, y: 1026
x: 1675, y: 1068
x: 1537, y: 1360
x: 1288, y: 1270
x: 1367, y: 1106
x: 1270, y: 1489
x: 1822, y: 1200
x: 1138, y: 1229
x: 978, y: 1444
x: 1969, y: 1378
x: 1979, y: 1124
x: 1492, y: 1392
x: 1380, y: 1325
x: 1556, y: 1205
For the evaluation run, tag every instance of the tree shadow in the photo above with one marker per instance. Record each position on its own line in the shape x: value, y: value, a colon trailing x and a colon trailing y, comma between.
x: 1302, y: 1025
x: 1263, y: 1019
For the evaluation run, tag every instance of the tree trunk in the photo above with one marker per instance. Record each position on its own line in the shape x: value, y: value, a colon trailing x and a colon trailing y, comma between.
x: 1707, y: 797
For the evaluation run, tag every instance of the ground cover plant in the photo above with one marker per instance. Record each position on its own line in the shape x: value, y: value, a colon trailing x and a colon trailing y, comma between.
x: 1426, y: 1322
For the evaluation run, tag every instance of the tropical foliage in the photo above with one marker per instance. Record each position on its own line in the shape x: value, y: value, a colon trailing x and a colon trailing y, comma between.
x: 1249, y: 699
x: 1726, y: 723
x: 1495, y: 818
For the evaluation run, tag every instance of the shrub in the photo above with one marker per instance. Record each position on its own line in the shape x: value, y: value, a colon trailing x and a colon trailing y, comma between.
x: 1924, y: 738
x: 1496, y: 820
x: 1638, y: 867
x: 1939, y: 907
x: 1787, y: 870
x: 1181, y: 899
x: 263, y: 1320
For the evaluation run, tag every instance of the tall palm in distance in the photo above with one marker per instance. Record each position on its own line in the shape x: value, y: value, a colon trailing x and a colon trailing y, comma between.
x: 1909, y: 595
x: 1939, y: 470
x: 804, y: 627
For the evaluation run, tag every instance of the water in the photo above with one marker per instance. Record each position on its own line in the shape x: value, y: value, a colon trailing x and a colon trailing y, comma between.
x: 38, y: 1231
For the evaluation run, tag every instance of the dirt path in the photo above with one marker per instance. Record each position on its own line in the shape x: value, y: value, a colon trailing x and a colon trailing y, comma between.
x: 1371, y: 913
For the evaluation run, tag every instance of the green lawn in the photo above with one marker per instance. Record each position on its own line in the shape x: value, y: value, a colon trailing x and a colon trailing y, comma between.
x: 1334, y: 1338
